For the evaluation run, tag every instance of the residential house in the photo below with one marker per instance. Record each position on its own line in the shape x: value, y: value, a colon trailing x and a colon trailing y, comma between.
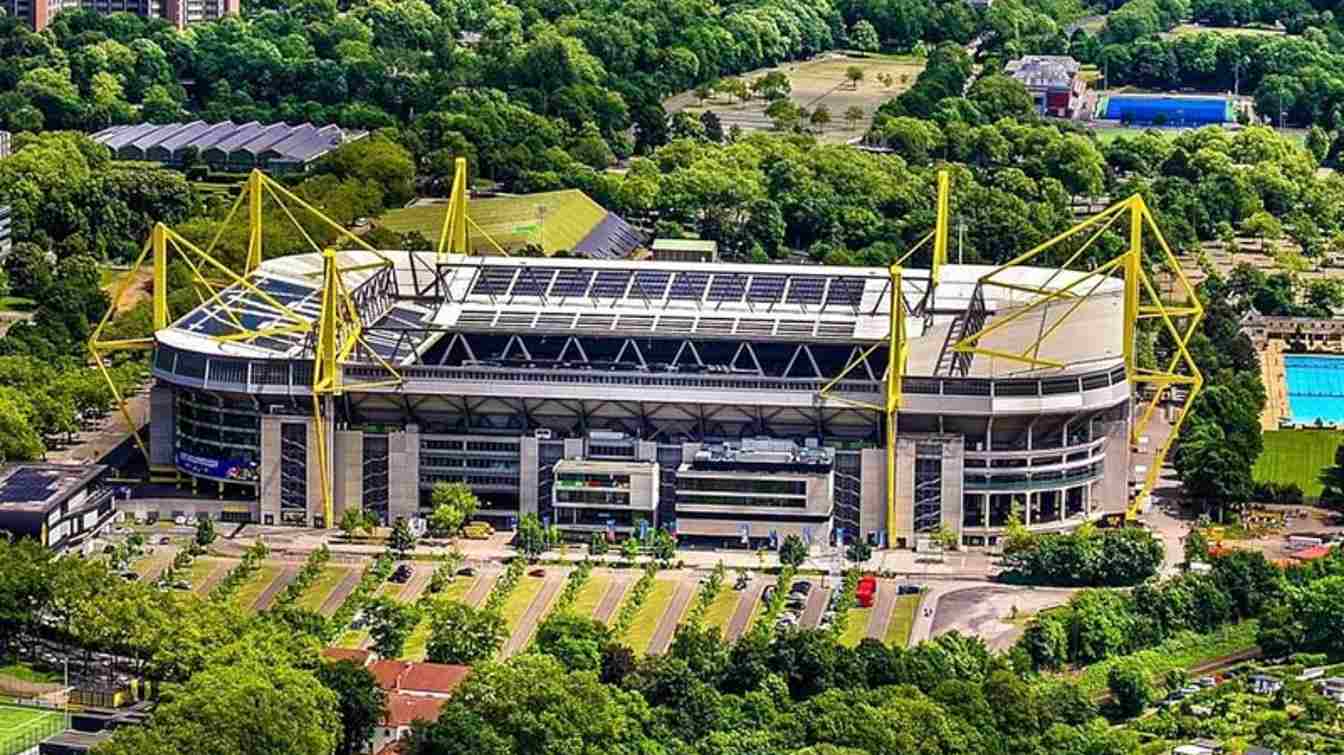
x: 1053, y: 82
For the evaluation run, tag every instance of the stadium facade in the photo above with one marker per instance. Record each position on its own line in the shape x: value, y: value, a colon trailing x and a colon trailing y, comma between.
x: 729, y: 403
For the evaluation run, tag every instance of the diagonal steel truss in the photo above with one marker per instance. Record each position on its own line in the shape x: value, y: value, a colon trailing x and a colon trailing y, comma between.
x: 332, y: 338
x: 1141, y: 301
x: 453, y: 235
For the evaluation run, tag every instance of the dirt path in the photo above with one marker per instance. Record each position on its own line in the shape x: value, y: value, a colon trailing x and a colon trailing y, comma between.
x: 817, y: 601
x: 671, y: 618
x: 281, y: 581
x: 606, y: 608
x: 479, y: 591
x: 342, y: 591
x: 880, y: 618
x: 536, y: 610
x: 417, y: 584
x: 745, y: 607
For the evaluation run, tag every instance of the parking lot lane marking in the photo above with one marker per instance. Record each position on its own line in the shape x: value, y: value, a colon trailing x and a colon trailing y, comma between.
x: 745, y: 607
x: 527, y: 624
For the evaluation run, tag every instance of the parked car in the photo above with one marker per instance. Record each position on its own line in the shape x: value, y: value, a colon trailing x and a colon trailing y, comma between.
x: 767, y: 593
x: 909, y: 589
x: 466, y: 571
x: 165, y: 540
x: 801, y: 588
x: 402, y: 574
x: 537, y: 573
x: 181, y: 584
x: 796, y: 603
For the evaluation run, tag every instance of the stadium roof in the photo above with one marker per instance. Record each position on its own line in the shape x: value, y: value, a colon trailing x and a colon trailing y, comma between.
x: 555, y: 221
x: 275, y: 142
x: 414, y: 302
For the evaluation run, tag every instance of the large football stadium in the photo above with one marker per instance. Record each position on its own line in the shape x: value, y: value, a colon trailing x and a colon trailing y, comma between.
x: 729, y: 403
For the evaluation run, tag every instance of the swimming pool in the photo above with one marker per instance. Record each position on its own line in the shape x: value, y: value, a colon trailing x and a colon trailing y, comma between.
x: 1315, y: 388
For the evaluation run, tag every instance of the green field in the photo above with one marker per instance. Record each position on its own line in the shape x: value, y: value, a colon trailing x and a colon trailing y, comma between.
x: 857, y: 628
x: 22, y: 729
x: 646, y: 621
x: 26, y: 673
x: 1297, y: 456
x: 414, y: 649
x: 721, y: 610
x: 591, y: 594
x: 521, y: 597
x: 250, y: 592
x: 316, y: 594
x: 902, y: 620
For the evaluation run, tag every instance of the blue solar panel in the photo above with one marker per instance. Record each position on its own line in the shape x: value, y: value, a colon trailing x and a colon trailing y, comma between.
x: 571, y: 282
x: 532, y: 282
x: 650, y: 284
x: 493, y: 280
x: 610, y: 283
x: 727, y: 287
x: 765, y: 288
x: 688, y: 286
x: 25, y: 485
x: 279, y: 288
x: 845, y: 292
x: 806, y: 290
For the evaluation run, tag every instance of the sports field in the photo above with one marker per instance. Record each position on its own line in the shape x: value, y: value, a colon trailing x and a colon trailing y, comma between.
x: 1297, y: 456
x: 23, y: 728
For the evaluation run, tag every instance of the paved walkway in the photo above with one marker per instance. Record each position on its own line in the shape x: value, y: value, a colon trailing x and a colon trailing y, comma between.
x: 671, y: 618
x: 742, y: 616
x: 817, y: 600
x: 536, y: 611
x: 928, y: 607
x: 272, y: 591
x: 611, y: 599
x: 419, y: 581
x: 485, y: 581
x: 880, y: 618
x: 342, y: 591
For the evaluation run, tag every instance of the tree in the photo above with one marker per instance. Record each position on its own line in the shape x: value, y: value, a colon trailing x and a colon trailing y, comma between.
x: 854, y: 74
x: 576, y: 641
x: 854, y: 114
x: 1000, y: 96
x: 1196, y: 546
x: 793, y: 551
x: 774, y: 85
x: 531, y: 538
x: 352, y: 521
x: 454, y: 504
x: 713, y: 126
x: 462, y: 634
x: 390, y: 623
x: 1130, y: 686
x: 402, y: 540
x: 287, y: 710
x: 598, y: 545
x: 630, y: 549
x: 359, y: 702
x: 205, y: 531
x: 1263, y: 226
x: 859, y: 552
x: 664, y: 545
x: 863, y: 36
x: 821, y: 117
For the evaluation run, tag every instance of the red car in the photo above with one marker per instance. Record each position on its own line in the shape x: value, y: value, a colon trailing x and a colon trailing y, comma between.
x: 866, y: 591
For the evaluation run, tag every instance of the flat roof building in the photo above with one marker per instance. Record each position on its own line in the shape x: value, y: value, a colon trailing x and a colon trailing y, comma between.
x: 237, y: 147
x: 180, y: 13
x: 1053, y: 82
x: 62, y: 506
x: 685, y: 250
x: 699, y: 397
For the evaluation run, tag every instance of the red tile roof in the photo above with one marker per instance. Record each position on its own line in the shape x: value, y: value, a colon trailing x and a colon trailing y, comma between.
x: 424, y: 678
x: 1313, y: 553
x: 403, y: 709
x: 361, y: 657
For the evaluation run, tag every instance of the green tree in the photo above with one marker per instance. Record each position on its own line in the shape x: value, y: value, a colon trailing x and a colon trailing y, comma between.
x: 863, y: 36
x: 576, y: 641
x: 205, y: 531
x: 454, y: 504
x: 402, y: 541
x: 854, y: 114
x: 630, y: 549
x: 390, y: 623
x: 664, y: 545
x: 1130, y: 686
x: 531, y: 540
x: 359, y: 702
x: 352, y: 521
x: 821, y: 117
x: 793, y: 551
x: 854, y: 74
x: 859, y: 552
x: 462, y: 634
x: 598, y: 545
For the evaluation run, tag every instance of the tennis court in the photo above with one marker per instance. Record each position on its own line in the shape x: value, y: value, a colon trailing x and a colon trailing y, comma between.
x: 22, y: 728
x: 1315, y: 388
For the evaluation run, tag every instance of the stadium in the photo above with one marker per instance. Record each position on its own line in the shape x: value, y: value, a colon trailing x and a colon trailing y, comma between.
x: 732, y: 404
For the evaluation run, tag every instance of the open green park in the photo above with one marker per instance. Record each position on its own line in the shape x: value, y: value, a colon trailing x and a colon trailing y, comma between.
x: 1297, y: 456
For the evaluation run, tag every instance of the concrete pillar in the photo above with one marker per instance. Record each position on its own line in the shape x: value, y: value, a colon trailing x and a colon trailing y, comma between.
x: 269, y: 484
x: 162, y: 424
x: 529, y: 472
x: 646, y: 450
x: 905, y: 492
x: 349, y: 483
x: 403, y: 473
x: 954, y: 456
x: 1026, y: 510
x: 575, y: 448
x: 873, y: 492
x: 314, y: 467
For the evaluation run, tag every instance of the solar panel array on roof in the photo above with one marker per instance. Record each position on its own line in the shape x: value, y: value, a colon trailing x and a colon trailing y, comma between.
x: 806, y: 290
x: 571, y: 282
x: 688, y: 286
x: 765, y: 288
x: 249, y: 143
x: 24, y: 485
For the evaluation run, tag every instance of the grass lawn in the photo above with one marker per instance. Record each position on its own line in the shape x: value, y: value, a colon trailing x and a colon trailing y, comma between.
x: 351, y: 639
x: 390, y: 589
x: 415, y: 644
x: 16, y: 304
x: 591, y: 594
x: 22, y: 728
x: 251, y: 591
x: 316, y: 594
x: 1183, y: 651
x: 721, y: 610
x: 520, y: 599
x: 26, y: 673
x: 857, y: 628
x: 1252, y: 31
x: 902, y: 620
x: 646, y: 621
x: 1297, y: 456
x: 199, y: 570
x: 143, y: 566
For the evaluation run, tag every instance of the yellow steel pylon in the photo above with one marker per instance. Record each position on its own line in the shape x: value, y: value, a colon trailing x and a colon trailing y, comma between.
x: 1141, y: 301
x: 453, y: 234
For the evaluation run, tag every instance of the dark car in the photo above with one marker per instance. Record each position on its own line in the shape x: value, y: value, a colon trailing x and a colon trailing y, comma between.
x: 537, y: 573
x: 908, y: 589
x: 402, y: 574
x: 801, y: 588
x: 795, y: 602
x: 466, y: 571
x: 767, y: 593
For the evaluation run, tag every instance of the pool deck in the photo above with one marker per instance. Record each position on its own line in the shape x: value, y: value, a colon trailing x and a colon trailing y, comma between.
x: 1275, y: 377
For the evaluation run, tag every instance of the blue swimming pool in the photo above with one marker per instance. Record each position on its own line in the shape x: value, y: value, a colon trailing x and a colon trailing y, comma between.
x: 1315, y: 387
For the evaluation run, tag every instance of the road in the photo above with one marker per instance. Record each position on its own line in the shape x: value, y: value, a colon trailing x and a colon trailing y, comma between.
x: 816, y: 606
x: 928, y: 606
x: 481, y: 590
x: 281, y: 581
x: 342, y: 591
x: 742, y: 615
x: 419, y: 581
x: 611, y: 599
x: 536, y: 611
x: 667, y: 623
x: 880, y: 618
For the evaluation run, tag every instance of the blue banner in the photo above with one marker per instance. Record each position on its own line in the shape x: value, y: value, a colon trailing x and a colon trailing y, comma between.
x: 223, y: 469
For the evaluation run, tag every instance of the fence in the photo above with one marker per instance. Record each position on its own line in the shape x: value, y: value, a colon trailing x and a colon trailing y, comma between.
x: 25, y: 723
